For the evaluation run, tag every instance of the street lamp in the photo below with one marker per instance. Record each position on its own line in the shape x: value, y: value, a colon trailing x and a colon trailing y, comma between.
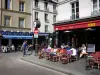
x: 36, y: 25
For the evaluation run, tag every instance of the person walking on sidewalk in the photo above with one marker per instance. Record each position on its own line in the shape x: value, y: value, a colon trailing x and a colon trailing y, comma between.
x: 24, y: 47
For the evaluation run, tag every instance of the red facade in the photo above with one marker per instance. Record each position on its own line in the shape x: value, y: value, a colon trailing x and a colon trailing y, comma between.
x: 78, y: 25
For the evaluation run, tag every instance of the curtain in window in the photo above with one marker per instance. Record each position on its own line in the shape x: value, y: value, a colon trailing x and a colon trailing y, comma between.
x: 8, y: 4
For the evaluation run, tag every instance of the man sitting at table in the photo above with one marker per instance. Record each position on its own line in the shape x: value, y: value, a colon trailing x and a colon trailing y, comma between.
x: 74, y: 51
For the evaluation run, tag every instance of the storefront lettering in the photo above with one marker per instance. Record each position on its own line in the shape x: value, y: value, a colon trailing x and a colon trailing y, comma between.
x: 91, y: 24
x: 71, y: 27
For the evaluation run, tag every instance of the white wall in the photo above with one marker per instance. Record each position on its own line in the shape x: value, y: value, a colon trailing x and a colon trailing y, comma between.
x: 85, y: 8
x: 64, y: 10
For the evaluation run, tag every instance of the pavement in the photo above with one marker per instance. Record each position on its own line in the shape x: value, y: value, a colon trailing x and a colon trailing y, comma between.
x: 11, y: 64
x: 74, y: 68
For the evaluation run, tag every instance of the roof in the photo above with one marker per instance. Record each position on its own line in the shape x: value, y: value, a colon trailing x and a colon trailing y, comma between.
x: 76, y: 21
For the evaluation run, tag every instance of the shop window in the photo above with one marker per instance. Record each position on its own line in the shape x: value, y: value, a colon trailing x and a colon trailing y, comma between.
x: 21, y: 23
x: 7, y: 20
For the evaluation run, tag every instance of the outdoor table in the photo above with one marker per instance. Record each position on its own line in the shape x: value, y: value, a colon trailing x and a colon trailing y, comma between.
x: 89, y: 62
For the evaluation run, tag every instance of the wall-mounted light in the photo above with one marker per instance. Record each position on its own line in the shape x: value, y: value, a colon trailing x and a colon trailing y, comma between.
x: 67, y: 31
x: 89, y: 29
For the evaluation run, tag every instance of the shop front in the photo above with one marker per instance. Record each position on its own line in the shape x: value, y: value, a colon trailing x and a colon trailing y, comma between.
x: 17, y: 38
x: 78, y: 32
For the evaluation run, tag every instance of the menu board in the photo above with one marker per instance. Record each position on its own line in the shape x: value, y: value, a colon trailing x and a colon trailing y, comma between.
x: 91, y: 48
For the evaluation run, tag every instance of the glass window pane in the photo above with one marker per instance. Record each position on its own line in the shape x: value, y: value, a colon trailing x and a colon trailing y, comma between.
x: 77, y: 15
x: 77, y: 9
x: 73, y: 5
x: 99, y: 5
x: 94, y: 1
x: 95, y: 7
x: 73, y: 10
x: 7, y: 20
x: 8, y: 4
x: 21, y: 23
x: 73, y: 16
x: 77, y: 4
x: 46, y: 28
x: 21, y: 6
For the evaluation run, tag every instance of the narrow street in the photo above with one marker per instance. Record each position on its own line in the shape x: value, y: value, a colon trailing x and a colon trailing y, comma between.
x: 11, y: 64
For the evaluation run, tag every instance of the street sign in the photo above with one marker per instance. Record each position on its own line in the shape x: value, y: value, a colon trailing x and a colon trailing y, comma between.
x: 36, y: 33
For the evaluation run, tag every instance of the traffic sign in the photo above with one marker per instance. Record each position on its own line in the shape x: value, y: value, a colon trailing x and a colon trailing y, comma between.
x: 35, y: 35
x: 36, y: 31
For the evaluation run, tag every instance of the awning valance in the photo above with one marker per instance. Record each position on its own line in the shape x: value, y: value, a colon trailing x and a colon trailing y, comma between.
x: 16, y: 37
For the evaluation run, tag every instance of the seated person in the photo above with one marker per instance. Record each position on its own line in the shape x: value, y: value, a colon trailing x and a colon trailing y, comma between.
x: 83, y: 52
x: 54, y: 51
x: 68, y: 48
x: 74, y: 51
x: 63, y: 51
x: 48, y: 49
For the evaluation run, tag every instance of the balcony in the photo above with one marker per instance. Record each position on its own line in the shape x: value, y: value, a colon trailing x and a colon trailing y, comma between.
x: 95, y: 13
x: 37, y: 7
x: 55, y: 11
x: 47, y: 21
x: 74, y: 16
x: 47, y: 9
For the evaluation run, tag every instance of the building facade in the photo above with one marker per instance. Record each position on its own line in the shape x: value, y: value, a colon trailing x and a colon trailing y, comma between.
x: 78, y: 22
x: 77, y: 9
x: 15, y: 15
x: 45, y: 11
x: 15, y: 21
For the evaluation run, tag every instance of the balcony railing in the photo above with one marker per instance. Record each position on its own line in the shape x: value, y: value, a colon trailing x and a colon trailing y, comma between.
x: 95, y: 13
x: 47, y: 21
x: 55, y: 11
x: 47, y: 9
x: 37, y: 7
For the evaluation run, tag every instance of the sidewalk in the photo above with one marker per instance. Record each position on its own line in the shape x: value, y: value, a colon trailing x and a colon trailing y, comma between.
x: 74, y: 68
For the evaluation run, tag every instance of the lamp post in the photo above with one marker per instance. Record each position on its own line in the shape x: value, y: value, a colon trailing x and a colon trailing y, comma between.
x: 36, y: 25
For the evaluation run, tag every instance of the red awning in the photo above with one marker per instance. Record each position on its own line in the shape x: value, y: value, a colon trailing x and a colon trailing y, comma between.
x: 78, y: 25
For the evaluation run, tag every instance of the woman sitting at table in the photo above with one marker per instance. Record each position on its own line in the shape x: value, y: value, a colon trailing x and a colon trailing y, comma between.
x: 53, y: 51
x: 83, y: 52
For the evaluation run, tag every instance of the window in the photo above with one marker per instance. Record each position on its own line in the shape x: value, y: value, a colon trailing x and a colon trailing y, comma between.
x: 96, y: 5
x: 36, y: 15
x: 7, y: 4
x: 21, y: 22
x: 46, y: 28
x: 54, y: 6
x: 21, y: 6
x: 45, y: 5
x: 36, y: 3
x: 7, y: 20
x: 46, y: 17
x: 75, y: 10
x: 54, y: 18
